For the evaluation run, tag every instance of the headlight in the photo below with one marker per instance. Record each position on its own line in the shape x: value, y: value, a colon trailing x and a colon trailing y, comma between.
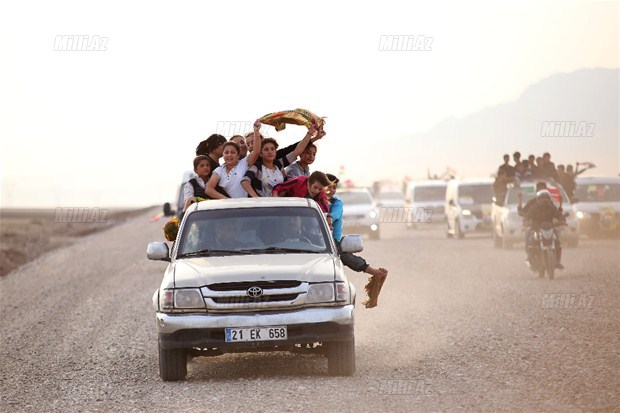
x: 320, y: 293
x: 466, y: 212
x: 185, y: 298
x: 372, y: 214
x: 582, y: 215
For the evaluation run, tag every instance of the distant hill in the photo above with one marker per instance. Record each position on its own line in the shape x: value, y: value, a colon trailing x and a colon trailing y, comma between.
x: 474, y: 145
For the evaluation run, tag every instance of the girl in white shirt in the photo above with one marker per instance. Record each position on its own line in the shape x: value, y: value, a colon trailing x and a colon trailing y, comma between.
x: 229, y: 175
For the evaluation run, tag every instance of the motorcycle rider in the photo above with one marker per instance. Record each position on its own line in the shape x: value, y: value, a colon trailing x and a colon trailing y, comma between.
x: 544, y: 211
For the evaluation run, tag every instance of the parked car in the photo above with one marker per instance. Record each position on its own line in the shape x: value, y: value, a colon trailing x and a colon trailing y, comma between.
x: 468, y: 206
x: 360, y: 214
x: 598, y: 206
x: 429, y: 196
x: 250, y: 275
x: 508, y: 225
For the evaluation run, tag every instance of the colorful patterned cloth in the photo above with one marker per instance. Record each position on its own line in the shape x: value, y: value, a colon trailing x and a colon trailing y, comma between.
x: 294, y: 117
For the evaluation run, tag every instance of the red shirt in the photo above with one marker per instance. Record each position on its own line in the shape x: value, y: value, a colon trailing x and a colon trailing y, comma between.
x: 298, y: 187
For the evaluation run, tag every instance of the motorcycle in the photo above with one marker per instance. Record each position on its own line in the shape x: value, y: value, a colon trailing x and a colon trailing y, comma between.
x: 543, y: 250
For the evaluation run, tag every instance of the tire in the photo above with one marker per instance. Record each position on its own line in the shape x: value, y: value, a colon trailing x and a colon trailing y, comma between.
x: 448, y: 235
x: 497, y: 241
x: 341, y: 358
x: 457, y: 230
x: 506, y: 243
x: 375, y: 234
x: 550, y: 262
x: 172, y: 364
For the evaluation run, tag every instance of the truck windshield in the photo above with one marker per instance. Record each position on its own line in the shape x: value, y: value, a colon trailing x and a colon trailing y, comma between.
x: 475, y: 194
x: 355, y: 198
x: 238, y: 231
x: 429, y: 193
x: 598, y: 192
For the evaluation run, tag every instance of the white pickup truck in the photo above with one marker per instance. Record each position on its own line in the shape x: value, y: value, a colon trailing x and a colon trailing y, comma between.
x: 508, y: 226
x: 254, y: 275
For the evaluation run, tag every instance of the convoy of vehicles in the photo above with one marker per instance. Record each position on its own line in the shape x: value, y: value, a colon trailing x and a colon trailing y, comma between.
x: 264, y: 274
x: 254, y: 275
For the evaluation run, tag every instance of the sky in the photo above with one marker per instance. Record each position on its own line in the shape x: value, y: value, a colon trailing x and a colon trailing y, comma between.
x: 118, y: 127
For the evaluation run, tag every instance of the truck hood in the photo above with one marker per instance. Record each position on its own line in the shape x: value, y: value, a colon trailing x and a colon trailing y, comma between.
x: 597, y: 207
x: 197, y: 272
x: 360, y: 209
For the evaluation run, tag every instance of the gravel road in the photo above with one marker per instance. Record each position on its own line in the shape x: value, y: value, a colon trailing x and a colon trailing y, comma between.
x: 459, y: 326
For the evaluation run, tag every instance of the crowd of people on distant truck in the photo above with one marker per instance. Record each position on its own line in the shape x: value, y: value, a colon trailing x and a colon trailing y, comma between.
x: 536, y: 168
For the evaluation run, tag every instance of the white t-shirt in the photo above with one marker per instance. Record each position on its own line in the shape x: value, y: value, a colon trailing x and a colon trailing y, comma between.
x: 270, y: 179
x: 231, y: 181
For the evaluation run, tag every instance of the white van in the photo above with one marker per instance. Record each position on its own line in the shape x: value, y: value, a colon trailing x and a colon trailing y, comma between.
x: 468, y: 206
x: 426, y: 195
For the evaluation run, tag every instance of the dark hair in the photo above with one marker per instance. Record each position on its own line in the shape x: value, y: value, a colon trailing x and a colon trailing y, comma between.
x: 310, y: 145
x: 333, y: 178
x: 210, y: 144
x: 234, y: 145
x: 517, y: 154
x: 547, y: 154
x: 200, y: 158
x: 268, y: 140
x: 319, y: 177
x: 525, y: 163
x: 541, y: 185
x: 237, y: 136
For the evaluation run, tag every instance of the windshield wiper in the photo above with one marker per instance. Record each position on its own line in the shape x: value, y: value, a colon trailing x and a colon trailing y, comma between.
x: 281, y: 249
x: 208, y: 251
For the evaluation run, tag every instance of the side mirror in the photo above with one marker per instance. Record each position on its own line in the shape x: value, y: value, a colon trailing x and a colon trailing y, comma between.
x: 158, y: 251
x: 167, y: 209
x: 351, y: 243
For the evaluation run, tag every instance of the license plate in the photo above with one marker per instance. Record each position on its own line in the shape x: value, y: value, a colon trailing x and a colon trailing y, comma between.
x: 256, y: 334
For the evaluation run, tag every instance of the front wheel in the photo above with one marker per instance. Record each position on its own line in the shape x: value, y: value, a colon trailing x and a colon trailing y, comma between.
x: 497, y: 241
x: 375, y: 234
x: 551, y: 263
x: 172, y: 364
x: 457, y: 230
x: 341, y: 358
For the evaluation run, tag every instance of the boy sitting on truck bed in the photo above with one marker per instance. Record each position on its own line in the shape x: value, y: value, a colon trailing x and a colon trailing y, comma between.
x: 195, y: 187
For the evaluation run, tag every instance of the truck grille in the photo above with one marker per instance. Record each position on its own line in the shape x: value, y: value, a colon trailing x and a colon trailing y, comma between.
x: 244, y: 285
x: 233, y: 296
x: 250, y: 300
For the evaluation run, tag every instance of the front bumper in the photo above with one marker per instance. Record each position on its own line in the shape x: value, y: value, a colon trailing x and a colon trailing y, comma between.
x: 308, y: 325
x: 473, y: 224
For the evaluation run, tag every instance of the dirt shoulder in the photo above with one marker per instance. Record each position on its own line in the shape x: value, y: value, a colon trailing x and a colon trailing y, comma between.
x: 25, y: 234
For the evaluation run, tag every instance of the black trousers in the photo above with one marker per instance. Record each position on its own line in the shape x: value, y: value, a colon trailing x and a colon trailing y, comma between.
x: 355, y: 262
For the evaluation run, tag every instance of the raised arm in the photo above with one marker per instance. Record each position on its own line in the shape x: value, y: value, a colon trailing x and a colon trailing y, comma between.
x: 253, y: 156
x: 301, y: 146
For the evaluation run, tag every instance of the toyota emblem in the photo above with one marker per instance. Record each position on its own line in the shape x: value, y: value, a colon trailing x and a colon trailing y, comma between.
x: 255, y: 292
